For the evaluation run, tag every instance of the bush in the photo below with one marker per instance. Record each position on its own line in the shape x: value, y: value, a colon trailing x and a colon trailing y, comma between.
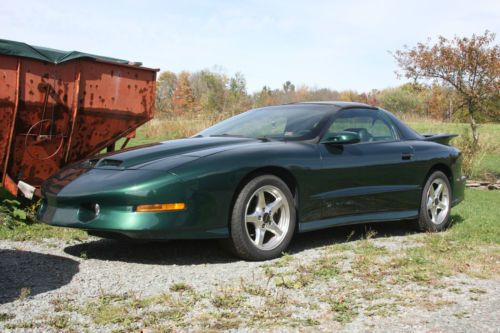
x: 472, y: 155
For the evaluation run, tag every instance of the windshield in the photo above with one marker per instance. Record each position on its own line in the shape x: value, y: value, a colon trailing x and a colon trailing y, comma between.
x: 284, y: 122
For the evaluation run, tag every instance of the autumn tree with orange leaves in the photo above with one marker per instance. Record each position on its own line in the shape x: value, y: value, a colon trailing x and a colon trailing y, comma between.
x: 182, y: 98
x: 471, y: 66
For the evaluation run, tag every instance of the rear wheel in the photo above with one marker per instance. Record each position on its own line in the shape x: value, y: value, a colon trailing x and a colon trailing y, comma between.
x: 435, y: 206
x: 263, y: 219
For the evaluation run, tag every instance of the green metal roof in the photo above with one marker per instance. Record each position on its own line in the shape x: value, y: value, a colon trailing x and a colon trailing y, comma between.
x: 19, y: 49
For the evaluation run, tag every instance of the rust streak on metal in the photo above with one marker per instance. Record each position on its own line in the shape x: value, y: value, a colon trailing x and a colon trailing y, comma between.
x: 74, y: 112
x: 5, y: 178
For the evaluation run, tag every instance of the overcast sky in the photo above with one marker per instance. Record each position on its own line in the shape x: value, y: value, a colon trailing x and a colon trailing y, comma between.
x: 334, y: 44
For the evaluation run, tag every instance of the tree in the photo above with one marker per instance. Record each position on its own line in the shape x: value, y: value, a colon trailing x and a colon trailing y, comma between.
x: 288, y: 87
x: 209, y: 89
x: 404, y: 99
x: 237, y: 99
x: 165, y: 88
x: 264, y: 97
x: 183, y: 99
x: 471, y: 66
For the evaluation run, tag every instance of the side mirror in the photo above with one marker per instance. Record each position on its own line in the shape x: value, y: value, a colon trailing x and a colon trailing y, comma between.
x: 342, y: 138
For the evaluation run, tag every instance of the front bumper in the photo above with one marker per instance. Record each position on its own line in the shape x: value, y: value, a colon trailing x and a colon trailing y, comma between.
x: 73, y: 203
x: 119, y: 219
x: 114, y: 222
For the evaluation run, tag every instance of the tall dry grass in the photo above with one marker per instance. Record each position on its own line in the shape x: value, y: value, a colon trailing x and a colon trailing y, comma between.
x: 166, y: 129
x: 180, y: 126
x: 417, y: 118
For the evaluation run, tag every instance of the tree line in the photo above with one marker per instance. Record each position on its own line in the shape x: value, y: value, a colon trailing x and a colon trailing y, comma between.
x: 212, y: 92
x: 454, y: 79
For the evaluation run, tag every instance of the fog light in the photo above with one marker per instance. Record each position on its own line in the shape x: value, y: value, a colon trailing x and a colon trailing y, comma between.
x: 161, y: 207
x: 97, y: 209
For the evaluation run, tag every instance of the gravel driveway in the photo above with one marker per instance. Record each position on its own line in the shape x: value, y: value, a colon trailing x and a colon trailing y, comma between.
x: 104, y: 285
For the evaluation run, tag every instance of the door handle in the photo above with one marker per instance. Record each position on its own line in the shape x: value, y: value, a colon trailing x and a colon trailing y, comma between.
x: 406, y: 156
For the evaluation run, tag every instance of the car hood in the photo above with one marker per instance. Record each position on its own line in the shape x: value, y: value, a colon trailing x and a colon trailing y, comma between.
x: 169, y: 154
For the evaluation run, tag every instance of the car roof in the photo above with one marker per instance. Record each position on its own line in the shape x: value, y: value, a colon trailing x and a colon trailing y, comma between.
x: 339, y: 104
x: 405, y: 131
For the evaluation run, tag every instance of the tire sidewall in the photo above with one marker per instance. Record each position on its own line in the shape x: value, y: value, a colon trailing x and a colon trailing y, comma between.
x: 425, y: 222
x: 242, y: 244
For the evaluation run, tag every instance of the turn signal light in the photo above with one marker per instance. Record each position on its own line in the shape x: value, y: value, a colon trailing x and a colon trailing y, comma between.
x: 161, y: 207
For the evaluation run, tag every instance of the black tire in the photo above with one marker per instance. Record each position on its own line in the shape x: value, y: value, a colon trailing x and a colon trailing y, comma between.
x: 240, y: 242
x: 425, y: 219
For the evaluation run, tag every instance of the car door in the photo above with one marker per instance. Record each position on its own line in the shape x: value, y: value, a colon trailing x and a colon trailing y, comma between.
x: 374, y: 175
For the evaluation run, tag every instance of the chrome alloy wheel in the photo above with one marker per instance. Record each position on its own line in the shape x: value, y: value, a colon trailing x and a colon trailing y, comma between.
x: 267, y: 217
x: 438, y: 201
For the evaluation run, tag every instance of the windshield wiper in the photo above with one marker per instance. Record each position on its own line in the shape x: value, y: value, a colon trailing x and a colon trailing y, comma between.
x: 261, y: 138
x: 227, y: 135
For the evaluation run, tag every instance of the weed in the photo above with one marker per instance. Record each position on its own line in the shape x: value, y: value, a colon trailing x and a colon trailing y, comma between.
x: 6, y: 316
x: 22, y: 324
x: 477, y: 291
x: 62, y: 304
x: 24, y: 293
x: 461, y: 314
x: 180, y: 286
x: 226, y: 320
x: 84, y: 255
x: 227, y: 299
x: 381, y: 309
x: 312, y: 322
x: 344, y: 310
x: 59, y: 322
x: 109, y: 309
x: 284, y: 260
x: 326, y: 268
x: 253, y: 289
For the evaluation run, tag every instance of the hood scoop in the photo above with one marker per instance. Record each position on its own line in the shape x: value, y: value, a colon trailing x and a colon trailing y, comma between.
x: 108, y: 163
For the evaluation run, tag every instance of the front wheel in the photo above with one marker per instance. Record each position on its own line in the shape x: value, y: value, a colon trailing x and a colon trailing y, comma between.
x: 263, y: 219
x: 435, y: 206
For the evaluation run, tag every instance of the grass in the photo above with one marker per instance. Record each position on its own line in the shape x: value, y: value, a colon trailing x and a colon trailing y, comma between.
x: 6, y: 316
x: 228, y: 299
x: 38, y: 231
x: 60, y: 322
x: 25, y: 230
x: 344, y: 309
x: 180, y: 287
x: 476, y: 220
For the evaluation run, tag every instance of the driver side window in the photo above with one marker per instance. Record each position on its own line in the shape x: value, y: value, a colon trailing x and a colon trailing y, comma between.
x: 369, y: 124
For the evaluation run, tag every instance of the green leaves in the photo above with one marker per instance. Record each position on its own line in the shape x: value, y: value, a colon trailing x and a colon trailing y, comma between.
x: 12, y: 212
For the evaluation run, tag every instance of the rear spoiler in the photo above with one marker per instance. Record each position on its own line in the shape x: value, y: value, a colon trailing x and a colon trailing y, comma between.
x: 439, y: 138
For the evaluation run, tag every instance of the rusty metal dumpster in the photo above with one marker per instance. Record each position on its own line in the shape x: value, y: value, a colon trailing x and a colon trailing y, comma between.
x: 59, y: 107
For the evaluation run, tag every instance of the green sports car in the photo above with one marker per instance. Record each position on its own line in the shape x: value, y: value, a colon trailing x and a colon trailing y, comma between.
x: 258, y: 178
